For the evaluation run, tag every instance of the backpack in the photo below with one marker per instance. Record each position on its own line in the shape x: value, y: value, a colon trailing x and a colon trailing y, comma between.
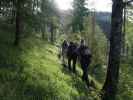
x: 85, y: 51
x: 64, y: 45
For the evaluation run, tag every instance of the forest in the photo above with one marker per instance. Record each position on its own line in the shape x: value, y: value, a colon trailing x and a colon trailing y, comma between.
x: 38, y: 42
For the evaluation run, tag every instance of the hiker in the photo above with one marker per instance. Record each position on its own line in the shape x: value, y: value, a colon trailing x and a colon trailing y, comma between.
x: 85, y: 60
x: 64, y: 48
x: 72, y: 56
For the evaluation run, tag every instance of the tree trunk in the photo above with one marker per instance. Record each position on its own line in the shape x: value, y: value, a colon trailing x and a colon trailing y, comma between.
x: 13, y: 14
x: 43, y: 35
x: 43, y: 31
x: 17, y: 33
x: 110, y: 85
x: 33, y: 5
x: 52, y: 33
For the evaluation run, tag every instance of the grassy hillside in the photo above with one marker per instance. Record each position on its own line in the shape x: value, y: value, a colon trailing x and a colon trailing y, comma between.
x: 32, y: 71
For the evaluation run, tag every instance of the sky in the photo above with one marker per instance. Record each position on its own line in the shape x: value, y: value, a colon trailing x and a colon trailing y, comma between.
x: 99, y: 5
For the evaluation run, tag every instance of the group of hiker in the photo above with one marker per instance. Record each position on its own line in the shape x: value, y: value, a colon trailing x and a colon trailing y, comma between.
x: 74, y: 52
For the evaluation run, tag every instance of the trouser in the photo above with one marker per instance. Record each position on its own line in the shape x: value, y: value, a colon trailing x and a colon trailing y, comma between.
x: 63, y: 57
x: 72, y: 60
x: 85, y: 72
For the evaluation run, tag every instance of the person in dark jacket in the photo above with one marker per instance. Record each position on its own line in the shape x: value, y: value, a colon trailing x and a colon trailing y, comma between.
x: 64, y: 51
x: 72, y: 56
x: 85, y: 59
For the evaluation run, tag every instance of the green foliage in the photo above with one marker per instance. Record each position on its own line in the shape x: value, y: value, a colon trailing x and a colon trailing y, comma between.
x: 125, y: 84
x: 126, y: 81
x: 37, y: 16
x: 79, y: 12
x: 98, y: 44
x: 33, y: 71
x: 129, y: 41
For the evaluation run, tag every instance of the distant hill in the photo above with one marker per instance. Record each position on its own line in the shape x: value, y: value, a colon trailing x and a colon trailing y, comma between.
x: 102, y: 18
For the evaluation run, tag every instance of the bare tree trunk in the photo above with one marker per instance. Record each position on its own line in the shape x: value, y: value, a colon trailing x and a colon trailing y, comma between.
x: 52, y: 33
x: 93, y: 31
x: 17, y: 33
x: 13, y: 14
x: 33, y: 5
x: 43, y: 35
x: 43, y: 31
x: 110, y: 85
